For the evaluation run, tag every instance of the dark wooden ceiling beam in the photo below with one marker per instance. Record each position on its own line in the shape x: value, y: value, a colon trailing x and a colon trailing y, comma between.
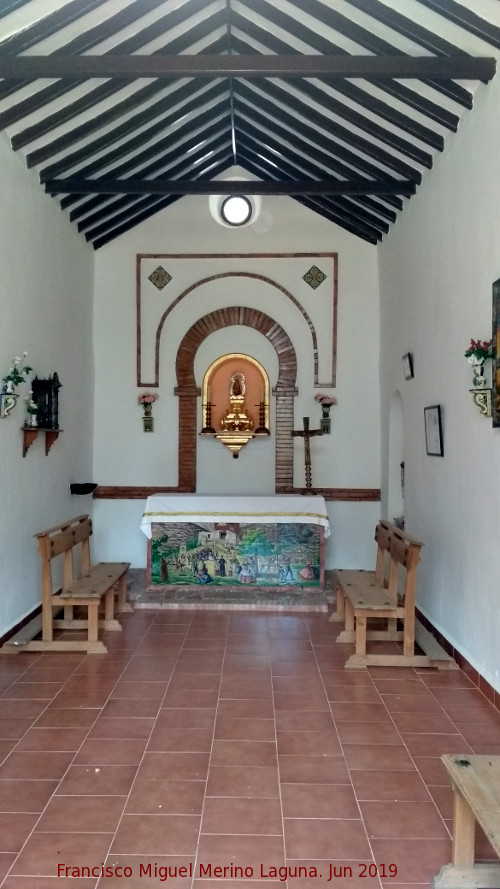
x: 106, y: 29
x: 339, y: 210
x: 154, y: 160
x: 326, y: 152
x: 277, y: 129
x: 75, y: 185
x: 119, y: 207
x: 155, y: 115
x: 132, y: 67
x: 47, y: 25
x: 428, y: 40
x: 312, y: 122
x: 221, y: 155
x: 256, y: 165
x: 9, y: 6
x: 371, y: 236
x: 362, y: 122
x: 289, y: 169
x: 318, y: 43
x: 61, y: 87
x: 179, y: 166
x: 144, y: 209
x: 368, y: 39
x: 343, y: 87
x: 250, y: 149
x: 253, y: 139
x: 465, y: 18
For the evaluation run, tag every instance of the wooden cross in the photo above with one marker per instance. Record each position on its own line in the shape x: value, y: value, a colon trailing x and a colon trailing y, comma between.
x: 307, y: 434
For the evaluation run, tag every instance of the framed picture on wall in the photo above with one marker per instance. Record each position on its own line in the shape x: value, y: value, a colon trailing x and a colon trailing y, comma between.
x: 495, y: 351
x: 408, y: 366
x: 433, y: 430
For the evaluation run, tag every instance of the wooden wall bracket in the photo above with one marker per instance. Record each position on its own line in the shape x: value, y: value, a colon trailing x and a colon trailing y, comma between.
x: 29, y: 436
x: 30, y: 433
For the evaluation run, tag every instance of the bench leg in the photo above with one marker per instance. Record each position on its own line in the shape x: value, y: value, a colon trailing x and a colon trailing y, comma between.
x: 109, y: 622
x: 338, y: 615
x: 109, y: 605
x: 409, y: 634
x: 47, y: 626
x: 361, y: 635
x: 464, y: 825
x: 93, y: 627
x: 123, y: 604
x: 347, y: 634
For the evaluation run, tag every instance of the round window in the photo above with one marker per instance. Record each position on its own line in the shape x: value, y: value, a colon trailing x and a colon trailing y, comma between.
x: 236, y: 209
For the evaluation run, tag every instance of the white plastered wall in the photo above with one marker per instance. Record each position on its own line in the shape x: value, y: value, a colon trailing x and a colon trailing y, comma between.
x: 348, y: 458
x: 45, y: 309
x: 436, y: 271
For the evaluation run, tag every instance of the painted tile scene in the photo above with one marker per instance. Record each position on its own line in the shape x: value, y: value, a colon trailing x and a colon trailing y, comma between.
x: 225, y: 554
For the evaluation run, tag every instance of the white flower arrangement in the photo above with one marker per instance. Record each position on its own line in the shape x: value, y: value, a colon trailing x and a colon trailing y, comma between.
x: 17, y: 373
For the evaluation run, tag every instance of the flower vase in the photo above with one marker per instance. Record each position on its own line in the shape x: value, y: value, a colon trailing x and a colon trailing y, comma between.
x: 9, y: 387
x: 147, y: 420
x: 33, y: 421
x: 325, y: 424
x: 478, y: 379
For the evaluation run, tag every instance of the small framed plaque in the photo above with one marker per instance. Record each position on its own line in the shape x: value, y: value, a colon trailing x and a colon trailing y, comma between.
x: 408, y: 366
x: 433, y: 430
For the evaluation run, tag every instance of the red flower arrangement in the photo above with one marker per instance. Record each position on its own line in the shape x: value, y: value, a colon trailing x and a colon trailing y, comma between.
x: 147, y: 398
x: 478, y: 351
x: 326, y: 400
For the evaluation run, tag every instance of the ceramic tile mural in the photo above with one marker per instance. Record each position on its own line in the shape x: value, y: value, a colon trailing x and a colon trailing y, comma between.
x: 229, y: 554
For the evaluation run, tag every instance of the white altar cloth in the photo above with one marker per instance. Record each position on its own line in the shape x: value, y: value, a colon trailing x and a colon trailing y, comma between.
x: 275, y: 508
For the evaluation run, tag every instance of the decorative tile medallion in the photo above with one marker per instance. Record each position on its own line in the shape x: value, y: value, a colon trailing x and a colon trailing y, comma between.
x: 160, y: 277
x: 314, y: 277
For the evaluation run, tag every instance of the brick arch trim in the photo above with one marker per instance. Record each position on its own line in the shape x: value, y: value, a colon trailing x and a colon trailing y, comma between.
x: 233, y: 274
x: 188, y: 391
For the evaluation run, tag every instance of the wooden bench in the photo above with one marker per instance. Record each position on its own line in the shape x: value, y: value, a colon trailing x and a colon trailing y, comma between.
x: 83, y: 584
x: 476, y: 785
x: 388, y: 595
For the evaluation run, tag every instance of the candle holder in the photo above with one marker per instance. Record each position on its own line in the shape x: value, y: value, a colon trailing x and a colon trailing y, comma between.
x: 262, y: 428
x: 208, y: 429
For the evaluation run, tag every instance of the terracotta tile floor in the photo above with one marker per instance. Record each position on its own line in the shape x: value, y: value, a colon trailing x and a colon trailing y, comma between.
x: 234, y: 740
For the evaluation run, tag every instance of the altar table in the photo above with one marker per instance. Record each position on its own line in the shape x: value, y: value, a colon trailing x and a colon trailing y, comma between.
x: 268, y: 541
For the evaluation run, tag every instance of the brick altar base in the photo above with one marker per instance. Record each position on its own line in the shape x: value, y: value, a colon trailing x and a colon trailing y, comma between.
x: 248, y: 597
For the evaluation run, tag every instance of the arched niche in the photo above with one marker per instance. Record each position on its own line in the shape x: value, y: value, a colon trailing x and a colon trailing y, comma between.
x: 188, y: 392
x: 215, y: 386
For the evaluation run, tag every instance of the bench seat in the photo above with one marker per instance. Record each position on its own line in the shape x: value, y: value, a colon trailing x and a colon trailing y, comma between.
x: 100, y: 582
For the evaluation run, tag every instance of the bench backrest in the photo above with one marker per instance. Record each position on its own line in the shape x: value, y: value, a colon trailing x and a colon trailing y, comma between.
x: 61, y: 538
x: 398, y: 555
x: 64, y: 539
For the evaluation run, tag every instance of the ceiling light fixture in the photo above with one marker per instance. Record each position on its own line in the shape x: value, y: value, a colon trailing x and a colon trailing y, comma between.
x: 235, y: 210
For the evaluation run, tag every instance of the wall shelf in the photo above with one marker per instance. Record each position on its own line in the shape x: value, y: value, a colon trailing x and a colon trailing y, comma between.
x: 30, y: 433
